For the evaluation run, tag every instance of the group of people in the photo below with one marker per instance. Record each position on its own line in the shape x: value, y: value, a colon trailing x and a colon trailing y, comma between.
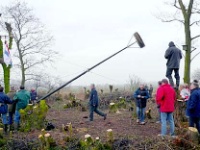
x: 11, y: 103
x: 165, y: 96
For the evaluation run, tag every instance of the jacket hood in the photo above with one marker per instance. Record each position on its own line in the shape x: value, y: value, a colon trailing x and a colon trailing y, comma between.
x: 171, y: 44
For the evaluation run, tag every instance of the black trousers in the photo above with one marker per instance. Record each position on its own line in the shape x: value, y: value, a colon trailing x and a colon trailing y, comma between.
x: 194, y: 121
x: 176, y: 75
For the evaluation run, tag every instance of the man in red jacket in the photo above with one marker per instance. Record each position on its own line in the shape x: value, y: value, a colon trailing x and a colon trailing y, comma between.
x: 166, y: 98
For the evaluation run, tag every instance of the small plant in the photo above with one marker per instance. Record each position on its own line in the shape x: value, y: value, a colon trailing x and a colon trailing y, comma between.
x: 110, y: 137
x: 121, y: 103
x: 32, y: 117
x: 2, y: 138
x: 68, y: 129
x: 101, y: 91
x: 111, y: 88
x: 88, y: 139
x: 86, y: 93
x: 46, y: 141
x: 113, y: 108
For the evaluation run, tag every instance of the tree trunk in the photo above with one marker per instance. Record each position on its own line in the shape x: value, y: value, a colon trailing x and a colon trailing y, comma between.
x: 6, y: 69
x: 23, y: 77
x: 188, y: 51
x: 179, y: 113
x: 6, y: 78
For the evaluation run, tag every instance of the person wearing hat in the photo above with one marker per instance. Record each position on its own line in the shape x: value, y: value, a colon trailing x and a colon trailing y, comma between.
x: 22, y: 98
x: 173, y: 56
x: 166, y: 97
x: 193, y: 106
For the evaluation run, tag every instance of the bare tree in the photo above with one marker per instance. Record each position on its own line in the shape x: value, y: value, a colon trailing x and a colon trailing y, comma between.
x: 186, y: 13
x: 46, y: 81
x: 32, y: 40
x: 134, y: 82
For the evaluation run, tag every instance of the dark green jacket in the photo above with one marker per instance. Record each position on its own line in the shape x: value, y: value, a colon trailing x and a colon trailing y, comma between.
x: 22, y: 97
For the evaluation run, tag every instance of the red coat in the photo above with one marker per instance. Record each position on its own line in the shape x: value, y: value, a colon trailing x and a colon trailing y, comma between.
x: 166, y: 97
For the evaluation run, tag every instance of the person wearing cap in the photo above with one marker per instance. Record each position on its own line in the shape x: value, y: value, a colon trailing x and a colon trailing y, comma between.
x: 173, y: 56
x: 22, y: 98
x: 166, y: 97
x: 193, y: 106
x: 94, y: 102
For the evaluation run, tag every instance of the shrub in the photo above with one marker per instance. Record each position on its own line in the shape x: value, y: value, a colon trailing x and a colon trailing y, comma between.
x: 32, y: 117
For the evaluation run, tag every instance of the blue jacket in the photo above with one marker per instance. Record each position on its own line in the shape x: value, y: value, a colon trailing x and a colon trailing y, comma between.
x: 94, y: 101
x: 142, y: 101
x: 173, y: 56
x: 193, y: 104
x: 33, y: 95
x: 4, y: 100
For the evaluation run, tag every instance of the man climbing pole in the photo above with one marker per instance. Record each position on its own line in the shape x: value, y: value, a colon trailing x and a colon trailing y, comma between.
x: 173, y: 56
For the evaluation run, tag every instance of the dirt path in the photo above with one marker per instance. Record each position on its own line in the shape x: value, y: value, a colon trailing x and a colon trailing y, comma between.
x: 121, y: 123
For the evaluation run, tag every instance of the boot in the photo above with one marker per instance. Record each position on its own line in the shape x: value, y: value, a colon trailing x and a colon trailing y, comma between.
x: 5, y: 128
x: 171, y: 82
x: 177, y: 83
x: 10, y: 128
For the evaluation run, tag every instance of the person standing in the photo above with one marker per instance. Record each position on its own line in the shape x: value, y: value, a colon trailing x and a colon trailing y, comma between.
x: 141, y: 95
x: 166, y: 97
x: 150, y: 91
x: 33, y: 94
x: 185, y: 92
x: 173, y: 56
x: 22, y: 98
x: 11, y: 107
x: 158, y: 105
x: 94, y: 102
x: 193, y: 106
x: 4, y: 100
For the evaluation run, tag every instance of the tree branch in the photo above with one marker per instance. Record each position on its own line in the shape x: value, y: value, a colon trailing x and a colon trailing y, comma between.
x: 190, y: 8
x: 172, y: 20
x: 183, y: 9
x: 195, y: 22
x: 175, y: 5
x: 195, y: 56
x: 195, y: 37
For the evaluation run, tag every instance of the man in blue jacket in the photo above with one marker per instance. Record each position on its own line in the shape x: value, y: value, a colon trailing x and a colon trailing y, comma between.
x: 193, y: 106
x: 141, y: 95
x: 94, y: 102
x: 173, y: 56
x: 4, y: 100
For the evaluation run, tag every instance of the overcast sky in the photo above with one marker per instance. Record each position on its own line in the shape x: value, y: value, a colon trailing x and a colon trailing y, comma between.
x: 87, y: 31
